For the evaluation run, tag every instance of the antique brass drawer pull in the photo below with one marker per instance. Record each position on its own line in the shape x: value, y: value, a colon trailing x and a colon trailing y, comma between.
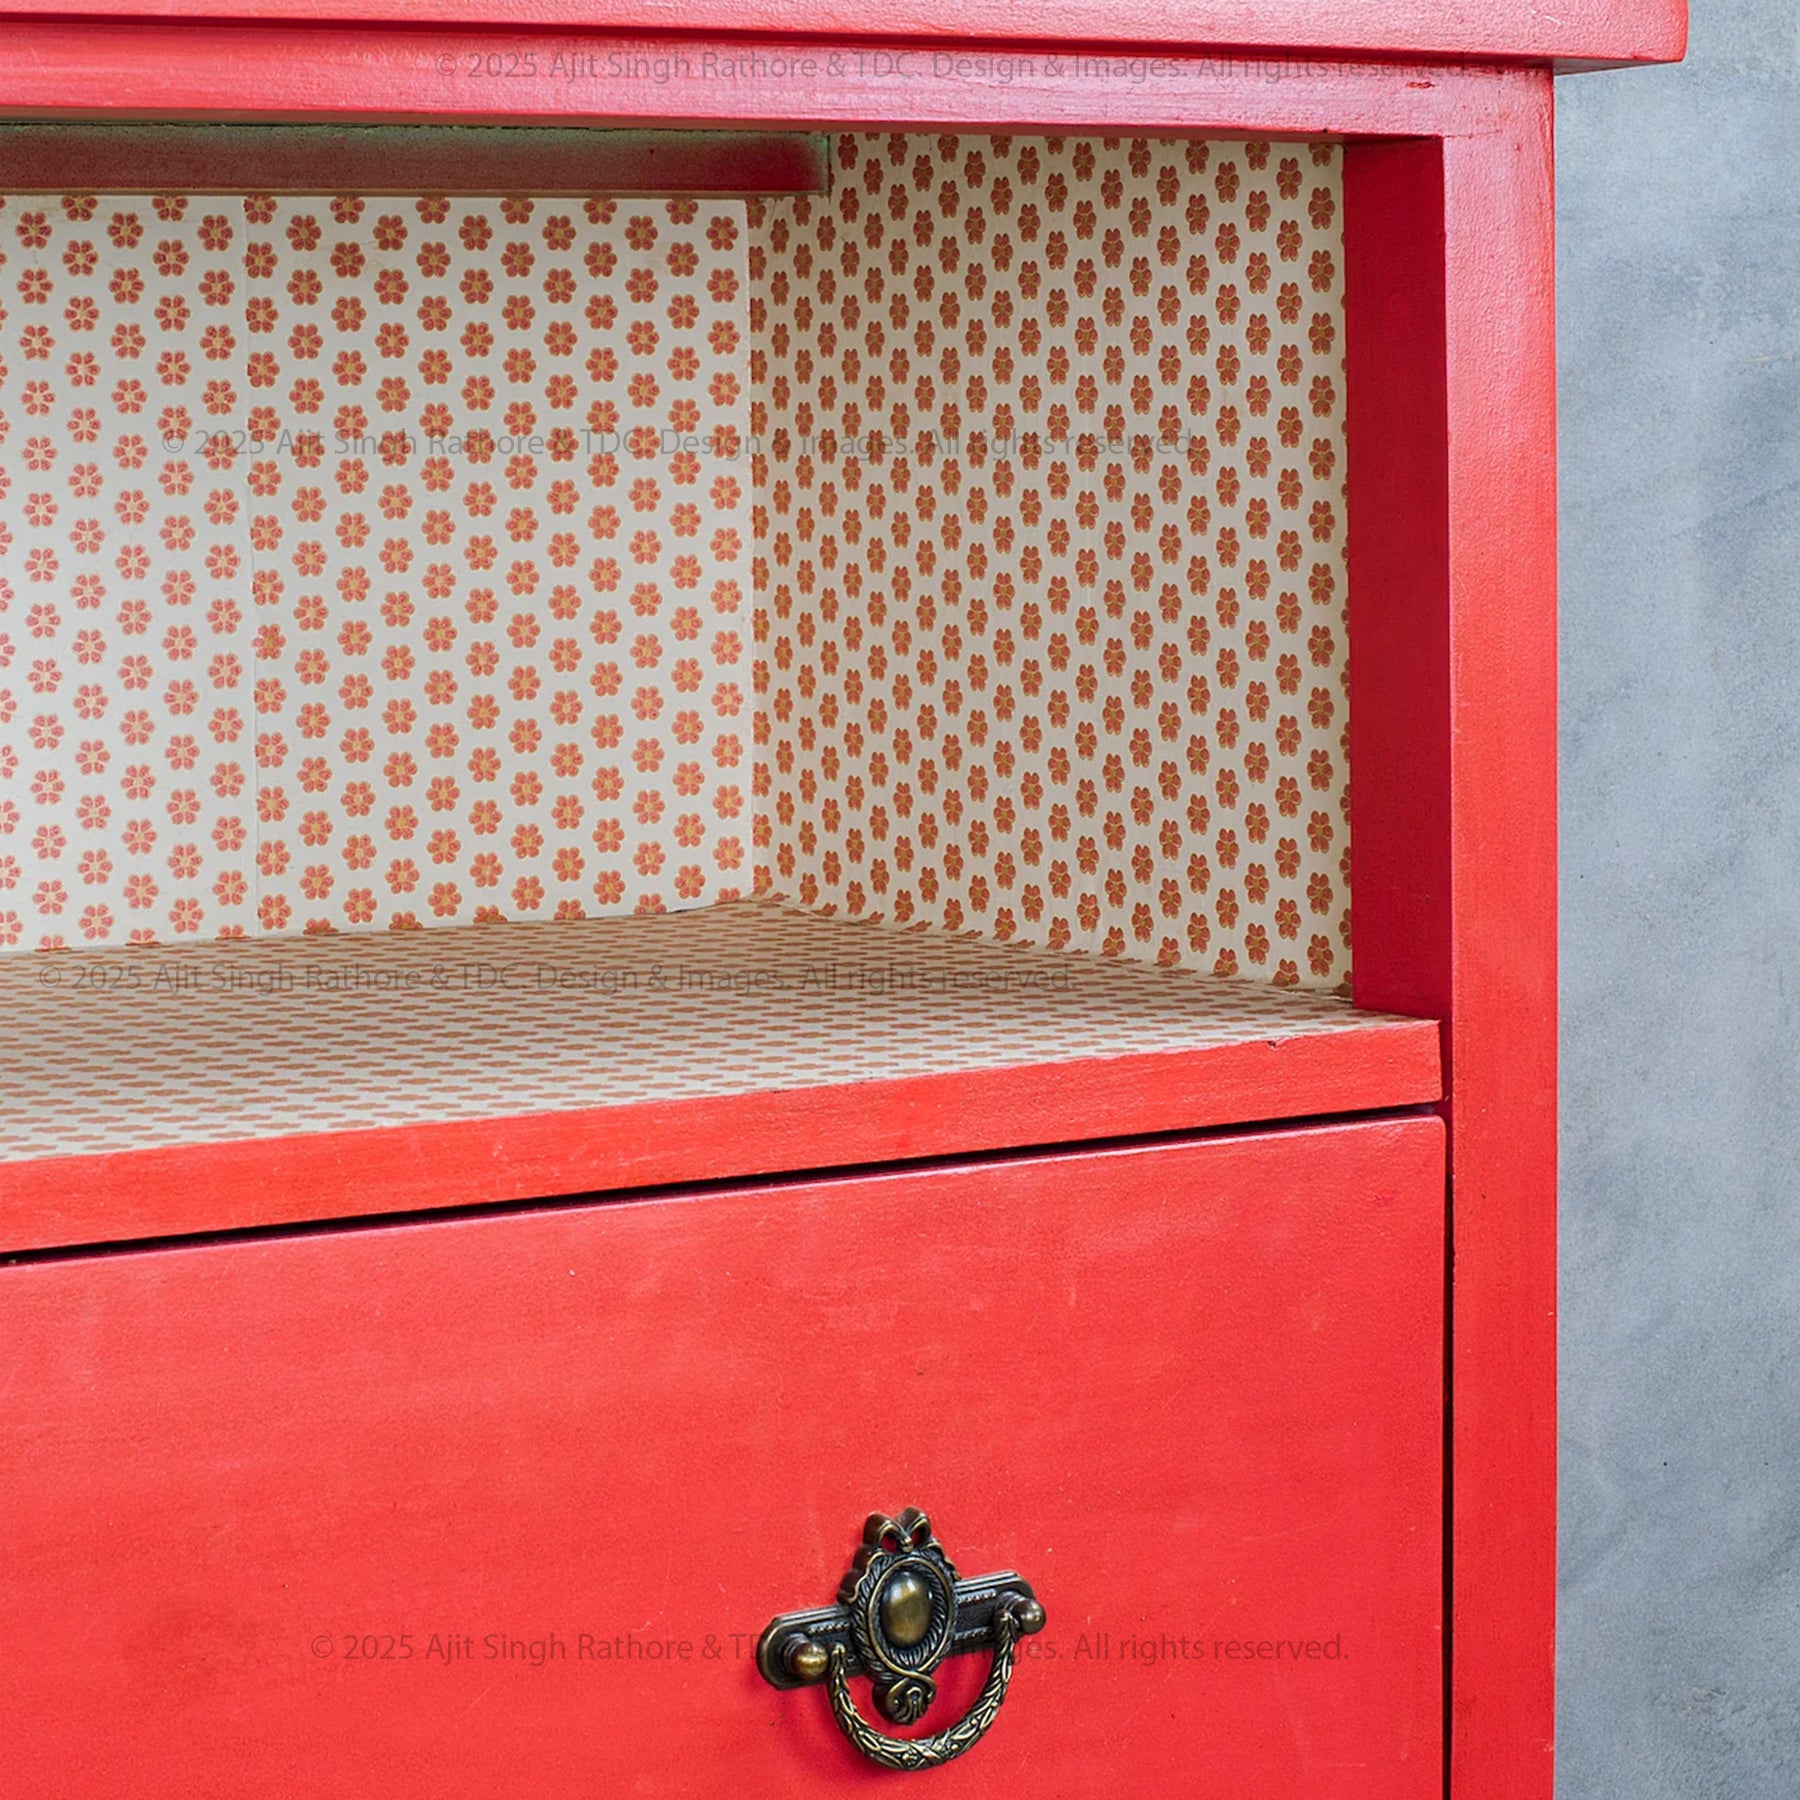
x: 901, y: 1610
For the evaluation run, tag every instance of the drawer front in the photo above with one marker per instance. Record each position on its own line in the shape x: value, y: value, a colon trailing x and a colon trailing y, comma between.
x: 499, y: 1505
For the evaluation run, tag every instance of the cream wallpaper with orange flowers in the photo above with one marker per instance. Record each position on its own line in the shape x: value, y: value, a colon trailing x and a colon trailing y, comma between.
x: 369, y: 563
x: 1050, y: 545
x: 963, y: 548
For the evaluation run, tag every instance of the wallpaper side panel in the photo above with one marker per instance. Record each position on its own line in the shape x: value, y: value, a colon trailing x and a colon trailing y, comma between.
x: 1050, y: 546
x: 369, y: 563
x: 127, y: 803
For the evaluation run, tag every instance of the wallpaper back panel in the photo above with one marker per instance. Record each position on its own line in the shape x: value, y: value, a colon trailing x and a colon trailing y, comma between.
x: 1050, y: 530
x: 962, y: 548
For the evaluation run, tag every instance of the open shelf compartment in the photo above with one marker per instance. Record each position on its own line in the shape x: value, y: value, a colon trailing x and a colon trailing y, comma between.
x: 895, y: 588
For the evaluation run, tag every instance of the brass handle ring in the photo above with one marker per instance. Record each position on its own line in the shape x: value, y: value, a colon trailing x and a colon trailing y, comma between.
x: 931, y: 1752
x: 901, y: 1610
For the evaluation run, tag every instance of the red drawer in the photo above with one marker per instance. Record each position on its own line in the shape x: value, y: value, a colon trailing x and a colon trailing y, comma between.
x: 499, y: 1505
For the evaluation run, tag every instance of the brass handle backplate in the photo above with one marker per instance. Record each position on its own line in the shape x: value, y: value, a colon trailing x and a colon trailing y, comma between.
x: 901, y: 1610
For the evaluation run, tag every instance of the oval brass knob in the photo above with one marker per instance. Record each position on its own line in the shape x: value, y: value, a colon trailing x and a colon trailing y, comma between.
x: 901, y: 1610
x: 809, y: 1660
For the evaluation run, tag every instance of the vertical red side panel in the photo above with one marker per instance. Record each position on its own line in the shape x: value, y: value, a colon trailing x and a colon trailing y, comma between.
x: 1399, y: 573
x: 1499, y: 276
x: 1454, y: 677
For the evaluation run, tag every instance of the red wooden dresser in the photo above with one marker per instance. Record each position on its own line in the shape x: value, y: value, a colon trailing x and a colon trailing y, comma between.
x: 777, y: 896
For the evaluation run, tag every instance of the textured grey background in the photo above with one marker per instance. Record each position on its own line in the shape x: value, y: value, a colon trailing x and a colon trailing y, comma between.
x: 1679, y: 318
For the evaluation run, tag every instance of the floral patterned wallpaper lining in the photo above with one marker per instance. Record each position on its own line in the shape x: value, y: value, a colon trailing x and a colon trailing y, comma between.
x: 1050, y: 545
x: 369, y: 563
x: 964, y: 547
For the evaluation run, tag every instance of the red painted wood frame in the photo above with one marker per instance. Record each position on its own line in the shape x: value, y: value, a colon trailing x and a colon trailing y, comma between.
x: 1449, y: 279
x: 1575, y: 34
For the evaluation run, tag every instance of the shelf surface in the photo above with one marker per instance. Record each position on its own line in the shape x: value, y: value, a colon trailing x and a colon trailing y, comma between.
x: 158, y: 1090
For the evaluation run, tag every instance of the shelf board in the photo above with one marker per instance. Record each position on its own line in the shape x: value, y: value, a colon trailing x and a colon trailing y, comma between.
x: 544, y: 161
x: 152, y: 1091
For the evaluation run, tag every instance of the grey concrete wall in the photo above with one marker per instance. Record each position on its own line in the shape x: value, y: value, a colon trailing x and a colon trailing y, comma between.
x: 1679, y: 262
